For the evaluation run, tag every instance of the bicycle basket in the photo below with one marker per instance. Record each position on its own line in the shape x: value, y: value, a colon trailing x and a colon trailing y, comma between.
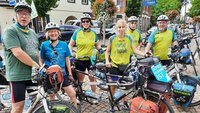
x: 54, y: 77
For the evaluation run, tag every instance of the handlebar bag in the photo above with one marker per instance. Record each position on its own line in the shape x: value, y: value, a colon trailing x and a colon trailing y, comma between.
x: 158, y: 86
x: 183, y: 94
x: 140, y: 105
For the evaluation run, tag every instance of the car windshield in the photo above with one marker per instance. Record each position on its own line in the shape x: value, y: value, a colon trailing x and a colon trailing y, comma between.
x: 70, y: 22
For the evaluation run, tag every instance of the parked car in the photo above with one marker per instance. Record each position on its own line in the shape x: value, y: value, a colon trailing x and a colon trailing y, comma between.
x: 66, y: 33
x: 110, y: 30
x: 96, y: 25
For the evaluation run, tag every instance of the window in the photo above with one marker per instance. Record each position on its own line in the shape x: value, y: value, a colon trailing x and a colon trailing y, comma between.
x: 85, y: 2
x: 71, y: 1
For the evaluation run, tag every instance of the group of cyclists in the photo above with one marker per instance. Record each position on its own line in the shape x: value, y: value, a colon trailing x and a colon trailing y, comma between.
x: 21, y: 51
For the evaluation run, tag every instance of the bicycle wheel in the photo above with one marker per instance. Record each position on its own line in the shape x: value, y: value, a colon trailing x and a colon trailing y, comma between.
x: 57, y: 106
x: 187, y: 79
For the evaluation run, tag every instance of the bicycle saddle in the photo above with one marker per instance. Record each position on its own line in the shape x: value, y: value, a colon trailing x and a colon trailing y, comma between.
x: 149, y: 61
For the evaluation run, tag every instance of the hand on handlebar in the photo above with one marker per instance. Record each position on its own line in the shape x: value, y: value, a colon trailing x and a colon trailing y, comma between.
x: 108, y: 64
x: 147, y: 54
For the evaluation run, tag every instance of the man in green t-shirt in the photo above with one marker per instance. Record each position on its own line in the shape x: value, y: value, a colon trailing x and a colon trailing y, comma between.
x: 21, y: 53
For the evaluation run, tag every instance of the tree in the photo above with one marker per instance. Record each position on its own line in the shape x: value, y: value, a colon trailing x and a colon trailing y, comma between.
x: 195, y: 9
x: 133, y: 8
x: 43, y: 6
x: 163, y: 6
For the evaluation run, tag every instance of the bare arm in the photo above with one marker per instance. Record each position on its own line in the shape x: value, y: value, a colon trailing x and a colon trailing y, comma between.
x: 23, y: 57
x: 97, y: 45
x: 107, y: 53
x: 71, y: 44
x: 148, y: 47
x: 137, y: 51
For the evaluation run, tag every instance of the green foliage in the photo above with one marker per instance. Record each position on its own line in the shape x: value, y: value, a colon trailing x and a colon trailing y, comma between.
x: 43, y: 6
x: 92, y: 3
x: 133, y: 8
x: 163, y: 6
x: 195, y: 9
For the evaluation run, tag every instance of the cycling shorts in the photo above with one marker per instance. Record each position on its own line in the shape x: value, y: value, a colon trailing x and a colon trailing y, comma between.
x: 82, y: 65
x: 115, y: 71
x: 18, y: 89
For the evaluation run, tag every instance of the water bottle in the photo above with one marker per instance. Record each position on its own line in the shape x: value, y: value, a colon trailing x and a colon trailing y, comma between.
x: 118, y: 94
x: 6, y: 97
x: 28, y: 103
x: 88, y: 93
x: 93, y: 57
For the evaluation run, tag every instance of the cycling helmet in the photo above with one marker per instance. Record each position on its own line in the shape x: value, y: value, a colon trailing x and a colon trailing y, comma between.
x: 55, y: 76
x: 162, y: 18
x: 184, y: 56
x: 132, y: 18
x: 86, y: 16
x: 22, y: 5
x: 52, y: 25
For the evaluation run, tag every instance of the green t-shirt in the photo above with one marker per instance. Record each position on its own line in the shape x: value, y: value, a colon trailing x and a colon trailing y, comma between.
x: 28, y: 42
x: 120, y: 50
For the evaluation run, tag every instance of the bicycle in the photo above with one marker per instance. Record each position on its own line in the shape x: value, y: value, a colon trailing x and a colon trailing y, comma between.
x: 135, y: 80
x: 39, y: 97
x: 175, y: 70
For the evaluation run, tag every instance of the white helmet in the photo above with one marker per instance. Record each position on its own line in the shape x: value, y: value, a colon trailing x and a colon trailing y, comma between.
x: 132, y: 18
x: 86, y: 16
x: 52, y: 25
x: 162, y: 17
x: 22, y: 5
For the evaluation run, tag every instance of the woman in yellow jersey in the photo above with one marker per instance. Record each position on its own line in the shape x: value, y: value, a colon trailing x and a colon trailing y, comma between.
x: 86, y: 40
x: 134, y: 32
x: 120, y: 47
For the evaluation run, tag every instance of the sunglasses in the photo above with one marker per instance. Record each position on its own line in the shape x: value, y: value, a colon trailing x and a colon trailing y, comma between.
x: 85, y: 21
x: 133, y: 22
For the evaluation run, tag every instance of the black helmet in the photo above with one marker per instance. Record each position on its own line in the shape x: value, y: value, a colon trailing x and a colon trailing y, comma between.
x: 22, y: 5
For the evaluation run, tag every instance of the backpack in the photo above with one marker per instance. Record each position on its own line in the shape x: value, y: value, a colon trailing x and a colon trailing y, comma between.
x: 140, y: 105
x: 183, y: 94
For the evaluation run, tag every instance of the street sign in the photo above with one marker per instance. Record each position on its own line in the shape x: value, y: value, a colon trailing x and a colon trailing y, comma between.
x: 12, y: 2
x: 149, y: 2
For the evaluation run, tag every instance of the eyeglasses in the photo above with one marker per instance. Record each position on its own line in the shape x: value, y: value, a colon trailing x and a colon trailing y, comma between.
x: 133, y: 22
x: 85, y: 21
x: 24, y: 14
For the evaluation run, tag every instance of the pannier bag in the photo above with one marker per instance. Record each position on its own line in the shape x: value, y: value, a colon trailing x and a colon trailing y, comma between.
x: 183, y: 94
x: 140, y: 105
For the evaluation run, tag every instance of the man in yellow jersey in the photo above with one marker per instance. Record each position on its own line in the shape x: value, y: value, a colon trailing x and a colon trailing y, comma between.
x: 161, y: 39
x: 134, y: 32
x: 86, y: 40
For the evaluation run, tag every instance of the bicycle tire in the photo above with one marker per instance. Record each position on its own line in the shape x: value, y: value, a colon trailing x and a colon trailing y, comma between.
x: 167, y: 104
x: 182, y: 77
x: 57, y: 106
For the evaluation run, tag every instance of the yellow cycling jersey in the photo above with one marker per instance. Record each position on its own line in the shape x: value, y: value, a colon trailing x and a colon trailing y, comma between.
x: 136, y: 36
x: 161, y: 42
x: 85, y: 42
x: 120, y: 50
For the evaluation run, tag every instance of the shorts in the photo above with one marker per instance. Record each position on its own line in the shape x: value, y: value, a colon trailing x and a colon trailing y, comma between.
x: 115, y: 71
x: 18, y: 89
x: 82, y: 65
x: 65, y: 81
